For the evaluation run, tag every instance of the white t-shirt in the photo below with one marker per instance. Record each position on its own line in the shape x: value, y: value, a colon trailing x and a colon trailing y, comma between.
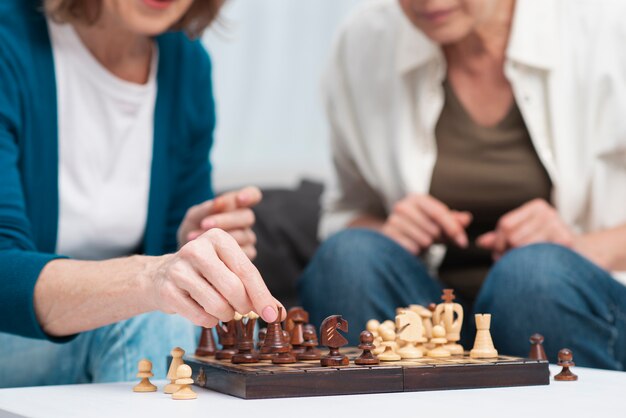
x: 105, y: 137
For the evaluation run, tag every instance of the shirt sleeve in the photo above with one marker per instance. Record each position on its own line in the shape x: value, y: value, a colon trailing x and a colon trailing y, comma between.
x: 348, y: 195
x: 20, y: 262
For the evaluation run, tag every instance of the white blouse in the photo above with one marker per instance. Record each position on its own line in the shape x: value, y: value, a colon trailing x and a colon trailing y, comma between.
x: 566, y: 62
x: 105, y: 137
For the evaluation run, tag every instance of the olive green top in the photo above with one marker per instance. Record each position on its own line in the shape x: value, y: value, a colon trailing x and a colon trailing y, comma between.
x: 487, y: 171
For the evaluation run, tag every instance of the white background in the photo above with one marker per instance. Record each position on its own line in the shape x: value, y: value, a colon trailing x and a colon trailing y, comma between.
x: 268, y: 57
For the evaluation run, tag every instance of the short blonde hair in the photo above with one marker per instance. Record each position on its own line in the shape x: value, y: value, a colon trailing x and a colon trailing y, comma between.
x: 199, y: 16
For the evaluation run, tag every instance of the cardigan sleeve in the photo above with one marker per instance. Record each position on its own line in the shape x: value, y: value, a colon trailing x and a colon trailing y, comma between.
x: 20, y: 262
x: 192, y: 183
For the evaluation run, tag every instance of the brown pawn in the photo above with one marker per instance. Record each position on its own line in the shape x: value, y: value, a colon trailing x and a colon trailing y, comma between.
x: 275, y: 344
x: 245, y: 340
x: 206, y: 346
x: 310, y: 343
x: 331, y: 338
x: 367, y: 345
x: 296, y: 318
x: 227, y: 336
x: 566, y: 360
x: 261, y: 337
x: 536, y: 348
x: 286, y: 357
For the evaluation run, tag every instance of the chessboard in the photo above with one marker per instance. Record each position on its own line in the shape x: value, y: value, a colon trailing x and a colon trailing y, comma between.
x: 307, y: 378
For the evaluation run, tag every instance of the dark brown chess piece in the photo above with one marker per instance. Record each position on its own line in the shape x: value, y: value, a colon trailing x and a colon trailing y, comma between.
x: 296, y: 318
x: 367, y: 345
x: 331, y: 338
x: 206, y: 346
x: 227, y: 336
x: 275, y: 343
x: 310, y: 343
x: 245, y: 340
x: 566, y: 360
x: 261, y: 337
x: 536, y: 348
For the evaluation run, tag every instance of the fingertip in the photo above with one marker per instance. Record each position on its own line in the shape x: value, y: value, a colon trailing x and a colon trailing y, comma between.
x: 269, y: 314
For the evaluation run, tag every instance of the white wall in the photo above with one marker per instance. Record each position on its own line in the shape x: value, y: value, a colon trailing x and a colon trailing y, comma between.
x: 268, y: 56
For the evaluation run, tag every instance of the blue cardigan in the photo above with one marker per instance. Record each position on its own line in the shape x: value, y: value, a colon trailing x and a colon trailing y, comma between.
x: 184, y: 118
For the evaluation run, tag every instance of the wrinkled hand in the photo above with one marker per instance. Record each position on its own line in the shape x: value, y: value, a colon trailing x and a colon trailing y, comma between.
x: 418, y: 221
x: 533, y: 222
x: 230, y: 212
x: 209, y: 279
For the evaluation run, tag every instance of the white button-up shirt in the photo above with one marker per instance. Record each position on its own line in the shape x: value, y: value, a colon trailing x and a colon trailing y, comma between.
x: 566, y: 62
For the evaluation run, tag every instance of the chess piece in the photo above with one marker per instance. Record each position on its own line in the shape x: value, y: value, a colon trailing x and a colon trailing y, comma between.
x: 372, y: 326
x: 367, y: 345
x: 536, y: 348
x: 297, y: 317
x: 310, y: 343
x: 275, y: 345
x: 483, y: 344
x: 184, y: 381
x: 331, y: 338
x: 177, y: 359
x: 566, y: 360
x: 206, y: 346
x: 389, y: 345
x: 145, y: 372
x: 409, y: 326
x: 227, y: 335
x: 439, y: 340
x: 261, y: 337
x: 201, y: 379
x: 389, y: 324
x: 245, y: 340
x: 450, y: 315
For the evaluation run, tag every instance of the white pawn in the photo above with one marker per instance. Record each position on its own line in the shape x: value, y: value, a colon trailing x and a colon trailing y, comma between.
x: 145, y: 372
x: 372, y: 326
x: 483, y: 344
x: 389, y: 345
x: 439, y: 339
x: 184, y: 381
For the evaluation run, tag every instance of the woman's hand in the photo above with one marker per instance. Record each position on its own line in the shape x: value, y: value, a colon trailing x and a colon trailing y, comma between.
x: 533, y: 222
x: 209, y: 279
x: 230, y: 212
x: 418, y: 221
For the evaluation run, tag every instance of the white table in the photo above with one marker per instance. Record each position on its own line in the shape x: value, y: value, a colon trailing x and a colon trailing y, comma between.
x: 597, y: 393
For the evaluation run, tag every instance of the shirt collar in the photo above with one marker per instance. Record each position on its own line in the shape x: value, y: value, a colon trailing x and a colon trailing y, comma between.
x: 533, y: 40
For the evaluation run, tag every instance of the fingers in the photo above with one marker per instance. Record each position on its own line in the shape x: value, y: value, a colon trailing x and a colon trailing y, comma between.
x: 486, y: 240
x: 407, y: 227
x: 198, y: 212
x: 402, y: 240
x: 185, y: 306
x: 409, y: 210
x: 243, y: 198
x: 236, y: 219
x: 440, y: 213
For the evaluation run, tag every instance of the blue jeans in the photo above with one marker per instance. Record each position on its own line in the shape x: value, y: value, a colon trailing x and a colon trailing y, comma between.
x: 542, y: 288
x: 107, y: 354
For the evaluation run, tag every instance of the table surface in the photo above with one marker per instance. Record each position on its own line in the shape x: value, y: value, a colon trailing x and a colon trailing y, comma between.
x: 597, y: 393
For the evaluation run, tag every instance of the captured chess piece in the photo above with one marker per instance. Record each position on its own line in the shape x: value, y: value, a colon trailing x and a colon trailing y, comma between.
x: 483, y: 344
x: 145, y: 373
x: 566, y: 360
x: 439, y: 339
x: 310, y: 345
x: 296, y: 318
x: 409, y: 326
x: 227, y: 335
x: 536, y: 348
x: 450, y: 315
x: 275, y: 344
x: 331, y: 338
x: 206, y: 346
x: 177, y: 360
x: 367, y: 345
x: 245, y: 340
x: 389, y: 345
x: 184, y: 382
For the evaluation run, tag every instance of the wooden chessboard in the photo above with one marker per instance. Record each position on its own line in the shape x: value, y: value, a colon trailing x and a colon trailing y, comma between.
x: 308, y: 378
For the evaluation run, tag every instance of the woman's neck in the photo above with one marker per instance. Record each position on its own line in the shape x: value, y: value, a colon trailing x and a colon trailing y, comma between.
x: 125, y: 54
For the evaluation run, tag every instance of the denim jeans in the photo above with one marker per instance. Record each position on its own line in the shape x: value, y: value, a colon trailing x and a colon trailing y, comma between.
x: 542, y: 288
x: 107, y: 354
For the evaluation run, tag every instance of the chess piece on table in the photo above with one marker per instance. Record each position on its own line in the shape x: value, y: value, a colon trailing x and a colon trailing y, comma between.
x: 177, y: 360
x: 450, y: 315
x: 245, y: 340
x: 297, y: 317
x: 260, y: 338
x: 439, y: 340
x: 566, y: 360
x: 372, y: 326
x: 206, y: 346
x: 483, y: 344
x: 310, y: 345
x: 536, y: 348
x: 409, y: 326
x: 389, y: 345
x: 145, y: 373
x: 184, y: 381
x: 367, y: 345
x: 331, y: 338
x: 227, y: 336
x: 275, y: 345
x: 389, y: 324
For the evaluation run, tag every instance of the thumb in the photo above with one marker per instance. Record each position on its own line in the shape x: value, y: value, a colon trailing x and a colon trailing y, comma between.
x: 487, y: 240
